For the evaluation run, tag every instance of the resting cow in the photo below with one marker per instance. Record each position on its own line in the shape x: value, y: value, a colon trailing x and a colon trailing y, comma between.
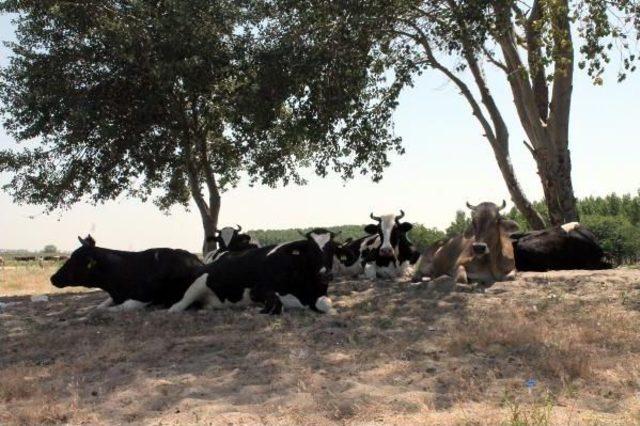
x: 229, y: 240
x: 570, y: 246
x: 484, y: 253
x: 158, y: 276
x: 294, y: 274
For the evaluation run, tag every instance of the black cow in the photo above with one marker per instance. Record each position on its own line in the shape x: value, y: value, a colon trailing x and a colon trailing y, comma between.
x: 229, y: 240
x: 158, y: 276
x: 570, y: 246
x: 294, y: 274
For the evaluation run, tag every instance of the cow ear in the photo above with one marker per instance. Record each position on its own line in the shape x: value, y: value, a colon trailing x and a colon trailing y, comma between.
x: 87, y: 242
x: 509, y: 226
x: 371, y: 229
x: 405, y: 227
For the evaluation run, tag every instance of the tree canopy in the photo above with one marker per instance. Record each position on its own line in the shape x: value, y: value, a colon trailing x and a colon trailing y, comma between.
x: 164, y: 99
x: 530, y: 42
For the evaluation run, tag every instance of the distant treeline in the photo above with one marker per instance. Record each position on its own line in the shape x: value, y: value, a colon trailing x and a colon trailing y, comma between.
x: 614, y: 219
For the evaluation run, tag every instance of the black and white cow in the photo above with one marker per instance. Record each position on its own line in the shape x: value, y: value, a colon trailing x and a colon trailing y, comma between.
x: 293, y: 275
x: 230, y: 240
x: 158, y: 276
x: 386, y: 252
x: 570, y: 246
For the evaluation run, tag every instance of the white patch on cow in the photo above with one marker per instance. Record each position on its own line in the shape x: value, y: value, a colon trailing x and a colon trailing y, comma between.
x: 290, y: 301
x: 571, y: 226
x: 105, y: 304
x: 276, y: 248
x: 390, y: 271
x: 323, y: 269
x: 365, y: 243
x: 387, y: 222
x: 209, y: 257
x: 370, y: 271
x: 321, y: 239
x: 129, y: 305
x: 196, y: 292
x: 246, y: 298
x: 323, y: 304
x: 226, y: 234
x: 156, y: 256
x: 340, y: 268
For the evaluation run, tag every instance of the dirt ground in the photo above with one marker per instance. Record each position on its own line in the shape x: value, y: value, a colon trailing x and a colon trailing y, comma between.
x: 550, y: 348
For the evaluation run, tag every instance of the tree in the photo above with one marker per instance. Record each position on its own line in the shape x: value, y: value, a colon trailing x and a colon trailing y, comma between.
x: 529, y: 42
x: 165, y: 99
x: 50, y: 248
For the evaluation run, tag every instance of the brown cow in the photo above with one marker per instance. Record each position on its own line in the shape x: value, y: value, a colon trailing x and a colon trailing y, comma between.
x: 484, y: 253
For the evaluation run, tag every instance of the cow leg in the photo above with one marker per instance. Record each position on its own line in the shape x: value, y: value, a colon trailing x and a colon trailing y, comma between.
x: 511, y: 276
x: 272, y: 304
x: 370, y: 271
x: 196, y: 292
x: 129, y: 305
x: 461, y: 275
x: 107, y: 303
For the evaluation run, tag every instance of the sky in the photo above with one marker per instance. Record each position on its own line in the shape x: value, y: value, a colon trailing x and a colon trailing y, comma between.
x: 447, y: 162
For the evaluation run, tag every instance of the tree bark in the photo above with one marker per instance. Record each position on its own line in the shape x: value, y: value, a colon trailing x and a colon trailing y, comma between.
x: 208, y: 212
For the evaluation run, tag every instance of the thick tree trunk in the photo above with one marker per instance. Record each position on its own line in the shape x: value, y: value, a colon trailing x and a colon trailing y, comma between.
x: 521, y: 202
x: 554, y: 169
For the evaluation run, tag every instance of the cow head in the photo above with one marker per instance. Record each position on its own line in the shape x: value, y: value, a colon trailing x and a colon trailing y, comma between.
x: 226, y: 236
x: 81, y: 268
x: 488, y: 227
x: 390, y: 230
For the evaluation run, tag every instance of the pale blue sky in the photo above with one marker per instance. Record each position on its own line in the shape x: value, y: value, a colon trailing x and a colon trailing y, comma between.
x: 447, y: 162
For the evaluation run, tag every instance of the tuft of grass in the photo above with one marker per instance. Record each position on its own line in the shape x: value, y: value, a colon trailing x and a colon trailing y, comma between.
x: 537, y: 413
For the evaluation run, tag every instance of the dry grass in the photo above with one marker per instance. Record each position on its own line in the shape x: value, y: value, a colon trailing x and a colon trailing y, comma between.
x: 394, y: 354
x: 28, y: 279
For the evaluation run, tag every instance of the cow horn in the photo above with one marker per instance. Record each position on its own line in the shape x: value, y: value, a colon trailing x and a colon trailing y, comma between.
x: 374, y: 217
x: 239, y: 228
x: 471, y: 206
x: 504, y: 204
x: 401, y: 215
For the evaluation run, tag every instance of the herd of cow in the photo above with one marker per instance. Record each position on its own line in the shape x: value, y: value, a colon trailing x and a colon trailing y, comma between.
x: 298, y: 273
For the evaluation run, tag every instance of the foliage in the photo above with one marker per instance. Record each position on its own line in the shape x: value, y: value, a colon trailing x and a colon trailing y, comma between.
x: 50, y: 248
x: 618, y: 237
x: 158, y: 99
x: 459, y: 224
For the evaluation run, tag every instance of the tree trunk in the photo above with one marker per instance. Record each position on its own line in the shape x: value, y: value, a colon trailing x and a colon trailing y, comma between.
x: 521, y: 202
x: 554, y: 169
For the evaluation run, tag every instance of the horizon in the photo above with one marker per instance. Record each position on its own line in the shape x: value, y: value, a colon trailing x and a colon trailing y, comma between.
x: 447, y: 163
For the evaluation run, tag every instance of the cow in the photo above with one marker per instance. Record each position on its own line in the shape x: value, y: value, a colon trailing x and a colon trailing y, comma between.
x: 390, y: 252
x: 25, y: 258
x: 483, y: 253
x: 229, y: 240
x: 385, y: 252
x: 133, y: 280
x: 569, y: 246
x: 294, y: 275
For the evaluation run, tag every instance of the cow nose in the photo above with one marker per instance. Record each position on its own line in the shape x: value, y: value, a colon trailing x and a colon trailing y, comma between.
x: 386, y: 252
x: 480, y: 248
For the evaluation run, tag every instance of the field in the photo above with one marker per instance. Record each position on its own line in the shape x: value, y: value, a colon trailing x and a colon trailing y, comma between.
x: 558, y: 348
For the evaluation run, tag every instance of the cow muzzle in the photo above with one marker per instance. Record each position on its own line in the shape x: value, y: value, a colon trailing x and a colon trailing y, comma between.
x: 386, y: 252
x: 480, y: 248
